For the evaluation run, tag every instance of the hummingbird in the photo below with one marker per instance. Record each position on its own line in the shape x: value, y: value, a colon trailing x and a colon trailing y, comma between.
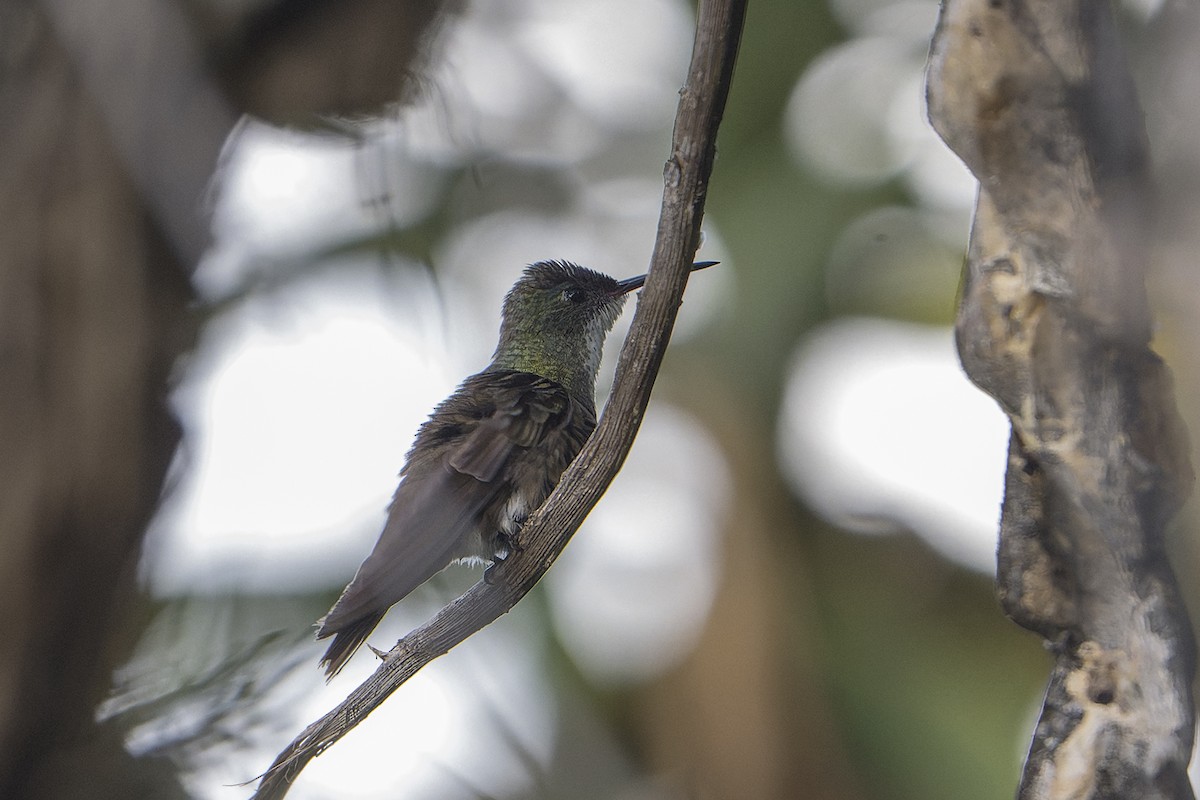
x: 492, y: 451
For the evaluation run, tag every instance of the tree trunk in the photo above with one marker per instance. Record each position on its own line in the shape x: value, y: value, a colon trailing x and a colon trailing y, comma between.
x: 110, y: 130
x: 1036, y: 98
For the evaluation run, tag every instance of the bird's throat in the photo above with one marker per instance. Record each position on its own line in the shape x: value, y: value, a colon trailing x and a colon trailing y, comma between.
x: 573, y: 365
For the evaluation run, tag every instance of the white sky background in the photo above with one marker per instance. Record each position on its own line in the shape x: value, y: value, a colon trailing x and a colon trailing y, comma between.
x: 301, y: 403
x: 884, y: 433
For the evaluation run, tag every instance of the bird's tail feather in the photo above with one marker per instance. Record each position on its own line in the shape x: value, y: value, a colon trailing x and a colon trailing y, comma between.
x: 346, y: 641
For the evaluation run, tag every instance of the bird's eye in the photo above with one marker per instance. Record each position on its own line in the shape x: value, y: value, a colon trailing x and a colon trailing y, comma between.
x: 576, y: 296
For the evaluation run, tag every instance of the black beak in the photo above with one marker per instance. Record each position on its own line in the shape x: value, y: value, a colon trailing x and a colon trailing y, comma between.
x: 629, y: 284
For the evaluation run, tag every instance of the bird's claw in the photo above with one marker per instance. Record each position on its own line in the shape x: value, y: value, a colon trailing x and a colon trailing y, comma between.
x: 489, y: 573
x: 511, y: 542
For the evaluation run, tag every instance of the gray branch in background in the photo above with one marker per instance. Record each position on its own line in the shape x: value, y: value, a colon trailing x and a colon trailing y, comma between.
x: 1054, y: 324
x: 701, y: 104
x: 165, y: 117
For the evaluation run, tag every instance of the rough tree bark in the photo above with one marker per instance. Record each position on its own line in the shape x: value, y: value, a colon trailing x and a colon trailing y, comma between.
x: 1035, y: 97
x: 112, y: 116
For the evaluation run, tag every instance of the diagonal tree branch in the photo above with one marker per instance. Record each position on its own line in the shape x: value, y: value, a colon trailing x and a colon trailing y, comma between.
x: 1054, y: 323
x: 701, y: 105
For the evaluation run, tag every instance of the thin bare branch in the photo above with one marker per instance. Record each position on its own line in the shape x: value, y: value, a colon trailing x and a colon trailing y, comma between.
x: 701, y: 105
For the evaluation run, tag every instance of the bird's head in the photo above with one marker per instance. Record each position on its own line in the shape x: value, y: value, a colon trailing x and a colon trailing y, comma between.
x: 559, y: 299
x: 555, y: 319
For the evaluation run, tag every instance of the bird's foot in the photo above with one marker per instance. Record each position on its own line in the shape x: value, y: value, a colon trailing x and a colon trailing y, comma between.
x: 510, y: 542
x: 489, y: 573
x: 507, y: 544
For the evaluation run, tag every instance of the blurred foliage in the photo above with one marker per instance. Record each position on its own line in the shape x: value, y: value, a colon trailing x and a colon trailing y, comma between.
x: 202, y: 667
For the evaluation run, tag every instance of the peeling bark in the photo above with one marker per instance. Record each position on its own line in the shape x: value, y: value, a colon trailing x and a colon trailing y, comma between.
x: 1054, y: 323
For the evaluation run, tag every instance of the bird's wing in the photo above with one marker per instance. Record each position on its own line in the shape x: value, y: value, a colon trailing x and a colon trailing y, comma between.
x: 454, y: 472
x: 521, y: 417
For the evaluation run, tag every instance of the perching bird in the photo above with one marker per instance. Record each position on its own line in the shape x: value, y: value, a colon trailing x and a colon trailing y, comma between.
x: 491, y: 452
